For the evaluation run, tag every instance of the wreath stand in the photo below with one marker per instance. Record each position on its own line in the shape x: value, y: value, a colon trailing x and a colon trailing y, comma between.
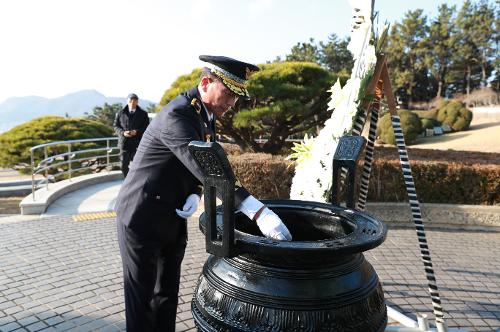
x: 380, y: 83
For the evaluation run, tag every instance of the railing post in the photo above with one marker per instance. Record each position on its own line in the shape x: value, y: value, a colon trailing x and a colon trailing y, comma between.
x: 69, y: 160
x: 107, y: 156
x: 32, y: 175
x: 46, y: 169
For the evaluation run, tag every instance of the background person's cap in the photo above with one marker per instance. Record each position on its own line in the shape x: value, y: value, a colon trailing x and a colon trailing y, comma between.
x: 233, y: 73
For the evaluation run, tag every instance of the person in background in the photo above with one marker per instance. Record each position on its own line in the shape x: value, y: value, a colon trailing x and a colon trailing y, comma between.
x: 130, y: 123
x: 163, y: 189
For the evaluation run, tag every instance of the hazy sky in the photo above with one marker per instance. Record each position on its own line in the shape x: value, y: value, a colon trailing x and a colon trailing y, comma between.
x: 54, y: 47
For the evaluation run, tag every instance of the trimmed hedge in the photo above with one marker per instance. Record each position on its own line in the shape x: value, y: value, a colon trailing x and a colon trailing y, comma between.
x: 264, y: 175
x: 270, y: 177
x: 436, y: 182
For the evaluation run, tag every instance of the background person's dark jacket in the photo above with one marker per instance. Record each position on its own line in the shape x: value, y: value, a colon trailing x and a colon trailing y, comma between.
x: 125, y: 121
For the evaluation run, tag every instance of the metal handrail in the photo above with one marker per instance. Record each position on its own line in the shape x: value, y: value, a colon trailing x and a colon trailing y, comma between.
x: 71, y: 154
x: 40, y: 169
x: 69, y: 164
x: 83, y: 140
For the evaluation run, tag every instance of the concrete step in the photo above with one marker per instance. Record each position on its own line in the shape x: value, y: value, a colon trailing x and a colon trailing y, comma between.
x: 10, y: 176
x: 15, y: 183
x: 16, y: 188
x: 13, y: 191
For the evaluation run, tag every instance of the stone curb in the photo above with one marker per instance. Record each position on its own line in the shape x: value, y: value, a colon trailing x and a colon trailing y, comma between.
x: 45, y: 196
x: 438, y: 215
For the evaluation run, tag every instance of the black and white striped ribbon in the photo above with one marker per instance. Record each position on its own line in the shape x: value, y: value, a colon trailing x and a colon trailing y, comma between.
x: 417, y: 218
x: 359, y: 123
x: 367, y: 164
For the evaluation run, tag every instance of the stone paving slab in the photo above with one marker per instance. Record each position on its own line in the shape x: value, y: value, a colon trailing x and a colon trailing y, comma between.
x: 57, y: 274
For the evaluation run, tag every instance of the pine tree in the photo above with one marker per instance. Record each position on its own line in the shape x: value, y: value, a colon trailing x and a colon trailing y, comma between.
x: 105, y: 114
x: 305, y: 52
x: 287, y: 98
x: 335, y: 56
x: 407, y: 55
x: 467, y: 53
x: 442, y: 38
x: 483, y: 35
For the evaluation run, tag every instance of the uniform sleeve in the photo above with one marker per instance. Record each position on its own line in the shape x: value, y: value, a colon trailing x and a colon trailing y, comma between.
x: 181, y: 129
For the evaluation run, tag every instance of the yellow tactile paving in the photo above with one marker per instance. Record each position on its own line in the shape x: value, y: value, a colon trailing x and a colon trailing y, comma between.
x: 93, y: 216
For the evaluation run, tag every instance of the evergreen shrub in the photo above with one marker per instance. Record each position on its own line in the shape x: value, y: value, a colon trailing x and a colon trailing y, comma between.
x: 410, y: 124
x: 455, y: 114
x: 15, y: 144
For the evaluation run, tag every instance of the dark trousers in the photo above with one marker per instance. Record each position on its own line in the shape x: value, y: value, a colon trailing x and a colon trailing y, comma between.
x: 151, y: 277
x: 126, y: 157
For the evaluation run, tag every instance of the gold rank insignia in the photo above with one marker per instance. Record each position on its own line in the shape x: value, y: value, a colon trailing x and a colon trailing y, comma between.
x: 196, y: 104
x: 208, y: 137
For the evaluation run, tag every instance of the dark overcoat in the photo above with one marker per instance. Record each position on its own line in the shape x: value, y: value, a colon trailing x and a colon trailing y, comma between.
x: 125, y: 121
x: 164, y: 173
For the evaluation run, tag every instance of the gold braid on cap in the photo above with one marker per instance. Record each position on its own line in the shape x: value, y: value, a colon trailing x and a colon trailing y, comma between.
x: 233, y: 82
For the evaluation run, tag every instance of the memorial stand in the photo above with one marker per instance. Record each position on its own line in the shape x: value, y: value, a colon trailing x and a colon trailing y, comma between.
x: 379, y: 85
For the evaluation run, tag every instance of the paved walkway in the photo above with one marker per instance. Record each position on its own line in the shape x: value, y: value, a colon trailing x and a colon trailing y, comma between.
x: 60, y: 274
x: 97, y: 197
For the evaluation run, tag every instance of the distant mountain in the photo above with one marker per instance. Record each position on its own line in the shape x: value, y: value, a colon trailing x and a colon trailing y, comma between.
x: 17, y: 110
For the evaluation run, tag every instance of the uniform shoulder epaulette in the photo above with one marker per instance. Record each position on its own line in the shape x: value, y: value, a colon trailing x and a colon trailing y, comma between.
x: 196, y: 104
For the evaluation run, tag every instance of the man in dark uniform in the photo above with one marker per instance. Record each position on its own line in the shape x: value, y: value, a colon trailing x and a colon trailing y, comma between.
x: 163, y: 189
x: 130, y: 123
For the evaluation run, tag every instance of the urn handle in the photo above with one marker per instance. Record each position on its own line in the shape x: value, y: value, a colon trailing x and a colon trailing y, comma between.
x: 218, y: 177
x: 346, y: 156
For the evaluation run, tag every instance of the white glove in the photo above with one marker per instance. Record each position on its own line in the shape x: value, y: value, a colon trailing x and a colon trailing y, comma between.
x: 271, y: 226
x: 189, y: 207
x: 269, y: 223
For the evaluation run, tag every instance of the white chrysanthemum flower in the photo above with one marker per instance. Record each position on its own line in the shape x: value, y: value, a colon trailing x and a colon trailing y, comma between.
x: 337, y: 96
x: 301, y: 151
x: 313, y: 176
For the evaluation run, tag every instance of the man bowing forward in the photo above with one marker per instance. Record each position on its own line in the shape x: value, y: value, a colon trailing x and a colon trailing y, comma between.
x: 163, y: 188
